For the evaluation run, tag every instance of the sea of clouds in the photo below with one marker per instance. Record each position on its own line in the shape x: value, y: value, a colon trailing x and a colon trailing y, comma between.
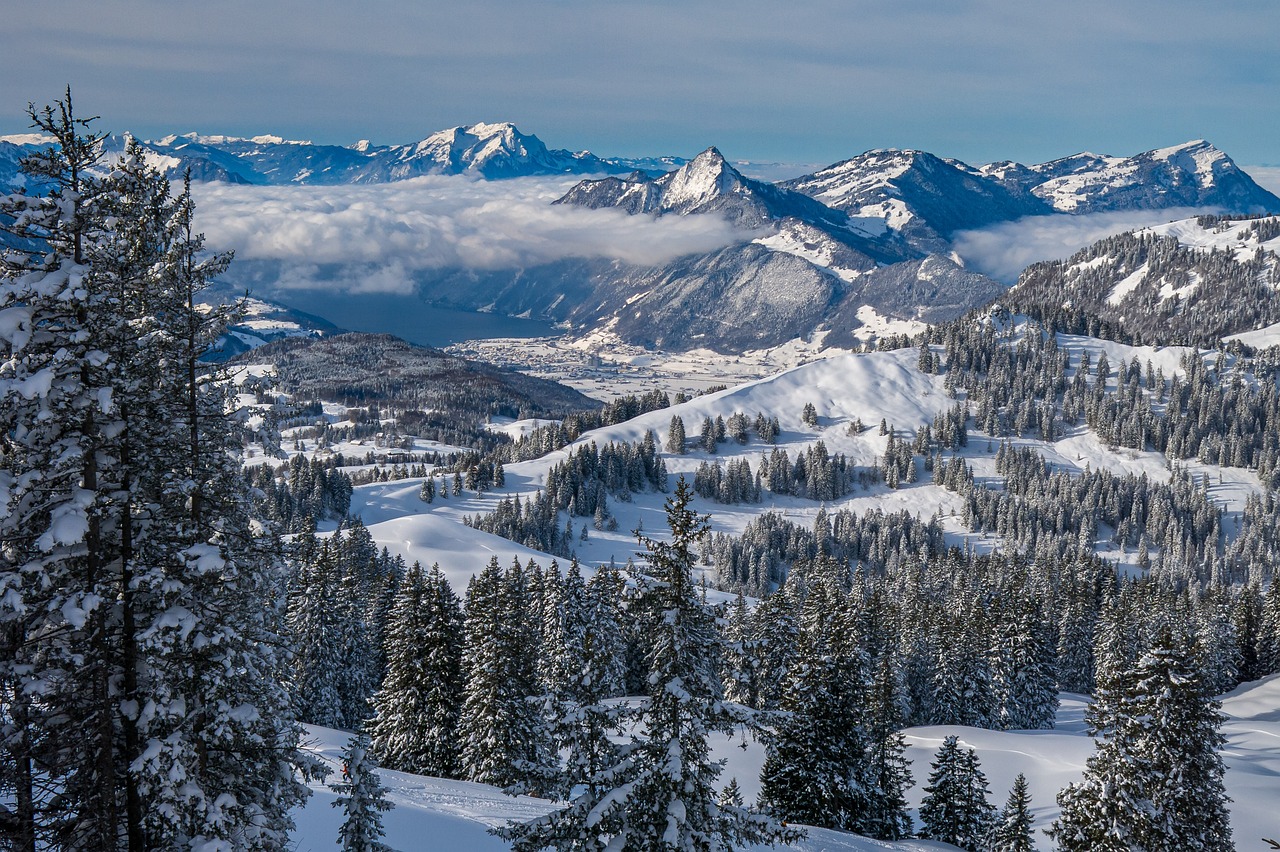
x: 385, y: 234
x: 1002, y: 251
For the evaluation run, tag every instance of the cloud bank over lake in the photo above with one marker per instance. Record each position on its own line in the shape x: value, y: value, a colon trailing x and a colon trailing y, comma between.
x: 380, y: 236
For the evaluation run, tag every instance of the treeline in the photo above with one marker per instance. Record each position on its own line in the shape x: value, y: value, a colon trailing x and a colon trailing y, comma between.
x: 815, y: 474
x: 1020, y: 383
x: 499, y: 690
x: 340, y: 594
x: 554, y: 436
x: 1221, y: 291
x: 300, y: 492
x: 580, y: 486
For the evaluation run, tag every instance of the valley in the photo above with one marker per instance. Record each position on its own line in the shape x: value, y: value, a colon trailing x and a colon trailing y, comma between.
x: 560, y: 501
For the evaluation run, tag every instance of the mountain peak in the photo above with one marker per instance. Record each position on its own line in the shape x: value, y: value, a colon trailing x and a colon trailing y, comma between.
x: 700, y: 180
x: 485, y: 129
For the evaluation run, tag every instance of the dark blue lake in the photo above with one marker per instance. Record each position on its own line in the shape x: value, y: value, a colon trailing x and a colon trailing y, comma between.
x: 410, y: 318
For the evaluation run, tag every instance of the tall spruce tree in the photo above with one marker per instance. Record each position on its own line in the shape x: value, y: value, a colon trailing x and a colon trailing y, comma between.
x: 415, y: 727
x: 503, y: 737
x: 888, y: 769
x: 1014, y: 829
x: 361, y: 798
x: 955, y: 809
x: 1155, y: 781
x: 816, y: 771
x: 676, y: 436
x: 141, y: 601
x: 315, y: 630
x: 661, y: 795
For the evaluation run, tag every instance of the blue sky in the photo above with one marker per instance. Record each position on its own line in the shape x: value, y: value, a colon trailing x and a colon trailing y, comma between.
x: 809, y: 82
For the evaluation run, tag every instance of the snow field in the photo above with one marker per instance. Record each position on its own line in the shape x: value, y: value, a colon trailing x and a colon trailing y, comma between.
x: 433, y: 813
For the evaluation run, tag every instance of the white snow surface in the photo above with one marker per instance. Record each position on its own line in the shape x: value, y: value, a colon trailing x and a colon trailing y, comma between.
x: 1127, y: 285
x: 843, y: 388
x: 456, y: 815
x: 1259, y: 338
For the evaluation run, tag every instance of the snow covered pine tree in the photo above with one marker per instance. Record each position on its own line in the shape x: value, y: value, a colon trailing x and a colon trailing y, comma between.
x: 139, y: 602
x: 661, y: 795
x: 361, y: 798
x: 1155, y: 781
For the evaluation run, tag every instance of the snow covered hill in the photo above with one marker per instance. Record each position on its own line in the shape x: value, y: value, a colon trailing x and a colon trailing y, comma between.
x: 458, y: 814
x: 844, y: 390
x: 1194, y: 280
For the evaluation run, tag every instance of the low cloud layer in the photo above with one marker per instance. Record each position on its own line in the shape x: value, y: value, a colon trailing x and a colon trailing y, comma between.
x: 1267, y: 177
x: 1002, y: 251
x: 385, y: 234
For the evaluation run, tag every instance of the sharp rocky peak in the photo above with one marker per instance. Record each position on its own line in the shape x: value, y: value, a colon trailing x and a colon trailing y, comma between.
x: 703, y: 178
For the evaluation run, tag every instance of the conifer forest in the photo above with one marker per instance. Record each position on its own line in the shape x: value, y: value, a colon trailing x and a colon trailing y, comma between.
x: 342, y: 591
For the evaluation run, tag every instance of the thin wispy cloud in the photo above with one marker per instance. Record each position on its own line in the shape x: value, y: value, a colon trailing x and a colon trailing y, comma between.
x: 1002, y: 251
x: 381, y: 236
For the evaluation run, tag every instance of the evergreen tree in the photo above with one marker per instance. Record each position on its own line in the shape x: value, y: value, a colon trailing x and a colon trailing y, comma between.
x: 888, y: 769
x: 676, y: 436
x: 361, y: 798
x: 315, y: 625
x: 1024, y: 676
x: 741, y: 656
x: 661, y: 795
x: 415, y: 728
x: 955, y: 809
x: 580, y: 659
x: 816, y: 770
x: 707, y: 437
x: 504, y: 741
x: 1014, y: 830
x: 1155, y: 781
x: 142, y: 602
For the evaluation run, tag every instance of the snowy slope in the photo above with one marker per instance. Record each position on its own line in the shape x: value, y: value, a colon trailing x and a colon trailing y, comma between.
x: 1196, y: 279
x: 457, y: 814
x: 1194, y: 174
x: 867, y: 387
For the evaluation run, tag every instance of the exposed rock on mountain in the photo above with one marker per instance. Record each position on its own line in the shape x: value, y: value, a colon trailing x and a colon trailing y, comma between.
x: 1194, y: 174
x: 709, y: 184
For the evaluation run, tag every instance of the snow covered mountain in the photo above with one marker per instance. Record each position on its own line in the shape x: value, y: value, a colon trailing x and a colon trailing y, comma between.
x: 896, y: 208
x: 486, y: 150
x: 710, y: 184
x: 490, y: 151
x: 1193, y: 174
x: 924, y: 197
x: 811, y: 268
x: 868, y: 238
x: 927, y: 198
x: 1191, y: 281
